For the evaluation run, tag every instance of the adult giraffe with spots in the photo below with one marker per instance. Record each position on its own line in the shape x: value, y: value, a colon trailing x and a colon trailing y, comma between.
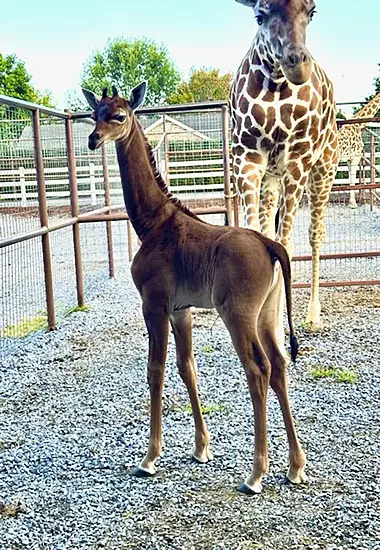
x: 284, y: 134
x: 351, y: 144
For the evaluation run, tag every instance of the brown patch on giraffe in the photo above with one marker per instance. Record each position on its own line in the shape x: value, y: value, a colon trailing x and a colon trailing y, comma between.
x: 266, y: 144
x: 285, y: 91
x: 291, y: 188
x: 238, y: 161
x: 313, y: 133
x: 299, y: 149
x: 243, y: 105
x: 246, y: 169
x: 268, y: 96
x: 271, y: 117
x: 315, y: 81
x: 289, y: 203
x: 255, y: 83
x: 299, y: 112
x: 239, y: 122
x: 245, y: 67
x: 240, y: 86
x: 294, y: 170
x: 237, y: 150
x: 249, y: 140
x: 304, y: 93
x: 313, y: 102
x: 254, y: 157
x: 235, y: 138
x: 258, y: 114
x: 256, y: 58
x: 279, y: 135
x: 286, y: 113
x: 306, y: 162
x: 300, y: 130
x: 248, y: 123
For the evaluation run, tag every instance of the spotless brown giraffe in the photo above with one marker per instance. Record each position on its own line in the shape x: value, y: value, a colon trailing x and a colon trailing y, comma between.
x: 284, y: 134
x: 184, y: 262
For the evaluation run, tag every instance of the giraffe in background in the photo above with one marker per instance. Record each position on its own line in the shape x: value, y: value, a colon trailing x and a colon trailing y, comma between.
x: 351, y: 145
x: 284, y: 133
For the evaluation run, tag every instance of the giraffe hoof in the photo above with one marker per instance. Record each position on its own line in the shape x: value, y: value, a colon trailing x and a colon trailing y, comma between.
x: 352, y: 205
x: 313, y: 326
x: 246, y: 490
x: 203, y: 457
x: 297, y: 478
x: 141, y: 472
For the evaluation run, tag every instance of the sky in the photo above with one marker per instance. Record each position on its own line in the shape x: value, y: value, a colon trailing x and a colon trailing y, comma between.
x: 54, y: 38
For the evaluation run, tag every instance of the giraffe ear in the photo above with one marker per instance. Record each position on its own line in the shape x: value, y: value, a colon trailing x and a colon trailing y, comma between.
x: 249, y: 3
x: 137, y: 95
x: 92, y: 99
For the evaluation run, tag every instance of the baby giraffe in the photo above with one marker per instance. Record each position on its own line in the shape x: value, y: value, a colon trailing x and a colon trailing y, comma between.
x: 185, y: 262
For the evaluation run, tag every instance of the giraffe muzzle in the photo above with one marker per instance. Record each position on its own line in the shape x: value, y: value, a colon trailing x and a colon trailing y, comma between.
x: 94, y: 140
x: 296, y: 65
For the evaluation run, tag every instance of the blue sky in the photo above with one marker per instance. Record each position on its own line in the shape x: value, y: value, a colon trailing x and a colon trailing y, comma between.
x: 54, y: 38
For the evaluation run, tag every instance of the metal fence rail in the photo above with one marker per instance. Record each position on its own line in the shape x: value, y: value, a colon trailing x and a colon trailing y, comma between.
x: 63, y: 224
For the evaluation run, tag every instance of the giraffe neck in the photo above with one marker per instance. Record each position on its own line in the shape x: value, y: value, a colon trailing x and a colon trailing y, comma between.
x: 261, y: 55
x: 147, y: 198
x: 370, y: 109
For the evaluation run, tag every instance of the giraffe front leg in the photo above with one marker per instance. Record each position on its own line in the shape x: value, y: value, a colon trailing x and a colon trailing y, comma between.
x: 249, y: 169
x: 353, y: 165
x: 320, y: 182
x: 158, y: 329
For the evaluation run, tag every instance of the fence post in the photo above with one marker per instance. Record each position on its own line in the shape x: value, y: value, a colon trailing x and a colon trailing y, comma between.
x: 373, y: 176
x: 92, y: 184
x: 129, y: 237
x: 74, y: 209
x: 107, y: 202
x: 42, y: 202
x: 166, y: 150
x: 22, y: 186
x: 226, y: 163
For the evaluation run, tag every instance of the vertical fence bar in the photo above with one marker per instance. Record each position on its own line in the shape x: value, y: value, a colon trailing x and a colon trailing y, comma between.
x: 107, y: 202
x: 226, y: 163
x: 373, y: 176
x: 74, y: 210
x: 129, y: 237
x: 166, y: 150
x: 43, y: 220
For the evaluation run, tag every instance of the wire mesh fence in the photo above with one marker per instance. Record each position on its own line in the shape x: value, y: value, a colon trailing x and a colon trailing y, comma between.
x: 62, y: 204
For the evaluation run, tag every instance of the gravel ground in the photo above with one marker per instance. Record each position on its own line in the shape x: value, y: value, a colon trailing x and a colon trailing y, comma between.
x: 74, y: 421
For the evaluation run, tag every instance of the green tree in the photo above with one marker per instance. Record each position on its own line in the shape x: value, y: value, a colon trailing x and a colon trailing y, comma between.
x: 205, y: 84
x: 340, y: 114
x: 75, y: 102
x: 15, y: 81
x: 125, y: 63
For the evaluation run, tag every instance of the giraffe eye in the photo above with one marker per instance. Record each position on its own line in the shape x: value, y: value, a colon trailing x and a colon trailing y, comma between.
x: 260, y: 19
x: 119, y: 118
x: 312, y: 13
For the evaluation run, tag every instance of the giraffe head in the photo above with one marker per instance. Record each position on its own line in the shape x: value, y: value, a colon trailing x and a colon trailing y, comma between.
x: 113, y: 115
x: 283, y: 31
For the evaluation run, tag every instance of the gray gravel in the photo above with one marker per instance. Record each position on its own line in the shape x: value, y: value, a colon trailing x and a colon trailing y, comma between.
x: 74, y: 421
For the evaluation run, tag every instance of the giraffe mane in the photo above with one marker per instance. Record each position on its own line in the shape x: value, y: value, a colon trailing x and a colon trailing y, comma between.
x: 160, y: 180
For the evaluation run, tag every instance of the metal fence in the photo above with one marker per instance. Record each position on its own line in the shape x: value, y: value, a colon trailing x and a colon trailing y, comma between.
x: 54, y: 191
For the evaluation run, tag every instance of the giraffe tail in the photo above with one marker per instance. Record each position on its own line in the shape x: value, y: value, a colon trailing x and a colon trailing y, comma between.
x: 278, y: 252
